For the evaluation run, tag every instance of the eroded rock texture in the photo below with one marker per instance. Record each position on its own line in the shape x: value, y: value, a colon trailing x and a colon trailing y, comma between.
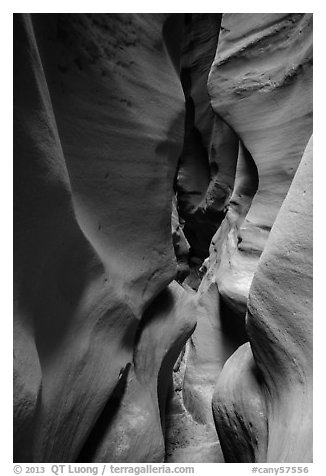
x: 96, y: 147
x: 154, y: 157
x: 265, y: 95
x: 263, y: 399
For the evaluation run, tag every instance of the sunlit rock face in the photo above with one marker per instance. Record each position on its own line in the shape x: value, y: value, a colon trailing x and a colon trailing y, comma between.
x: 162, y: 237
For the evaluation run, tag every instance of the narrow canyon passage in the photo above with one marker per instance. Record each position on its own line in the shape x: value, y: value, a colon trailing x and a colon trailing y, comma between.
x: 163, y: 238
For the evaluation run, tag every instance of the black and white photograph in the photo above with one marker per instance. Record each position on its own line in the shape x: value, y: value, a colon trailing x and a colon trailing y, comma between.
x: 162, y: 242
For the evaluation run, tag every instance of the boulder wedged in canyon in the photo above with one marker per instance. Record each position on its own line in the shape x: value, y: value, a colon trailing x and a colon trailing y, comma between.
x: 152, y: 157
x: 271, y: 419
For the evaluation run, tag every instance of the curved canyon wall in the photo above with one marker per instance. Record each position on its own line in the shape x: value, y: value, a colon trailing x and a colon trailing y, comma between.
x: 162, y: 237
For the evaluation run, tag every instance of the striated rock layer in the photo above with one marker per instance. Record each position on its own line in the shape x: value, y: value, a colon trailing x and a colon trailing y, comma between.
x: 154, y: 157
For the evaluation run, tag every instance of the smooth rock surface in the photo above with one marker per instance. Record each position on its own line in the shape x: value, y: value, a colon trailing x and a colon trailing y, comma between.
x: 260, y: 84
x: 275, y: 423
x: 85, y: 268
x: 154, y: 157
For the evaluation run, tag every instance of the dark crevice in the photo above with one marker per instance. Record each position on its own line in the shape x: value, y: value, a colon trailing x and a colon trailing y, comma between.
x: 103, y: 422
x: 199, y: 222
x: 246, y: 182
x: 173, y: 33
x: 233, y: 324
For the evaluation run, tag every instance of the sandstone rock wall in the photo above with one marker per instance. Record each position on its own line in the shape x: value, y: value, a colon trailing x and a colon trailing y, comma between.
x: 154, y: 157
x: 263, y: 104
x: 261, y: 85
x: 263, y: 399
x: 96, y: 147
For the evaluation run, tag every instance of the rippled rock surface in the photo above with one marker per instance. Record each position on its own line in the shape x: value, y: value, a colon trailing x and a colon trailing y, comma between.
x: 163, y: 237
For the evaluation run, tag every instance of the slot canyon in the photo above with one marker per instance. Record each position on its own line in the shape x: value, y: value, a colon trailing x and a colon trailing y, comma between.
x: 163, y: 237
